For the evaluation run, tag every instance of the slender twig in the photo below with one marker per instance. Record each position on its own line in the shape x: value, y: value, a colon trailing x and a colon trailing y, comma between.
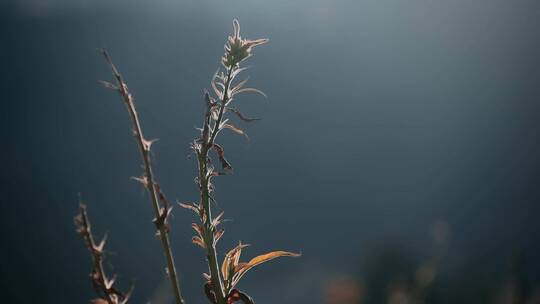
x: 148, y: 181
x: 102, y: 284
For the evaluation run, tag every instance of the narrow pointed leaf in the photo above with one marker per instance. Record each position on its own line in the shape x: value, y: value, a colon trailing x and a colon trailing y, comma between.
x: 235, y: 129
x: 231, y: 261
x: 194, y: 207
x: 217, y: 220
x: 237, y: 71
x: 218, y: 234
x: 198, y: 241
x: 245, y: 267
x: 240, y: 85
x: 245, y: 90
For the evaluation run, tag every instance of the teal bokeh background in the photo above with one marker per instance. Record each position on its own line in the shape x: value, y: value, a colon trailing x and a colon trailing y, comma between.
x: 382, y: 118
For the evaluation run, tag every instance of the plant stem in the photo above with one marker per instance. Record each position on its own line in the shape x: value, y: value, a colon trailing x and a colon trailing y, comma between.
x: 150, y: 184
x: 97, y: 254
x: 211, y: 255
x: 204, y: 184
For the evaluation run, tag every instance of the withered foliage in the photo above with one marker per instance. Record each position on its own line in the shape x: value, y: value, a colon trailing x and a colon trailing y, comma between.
x: 104, y: 286
x: 220, y: 284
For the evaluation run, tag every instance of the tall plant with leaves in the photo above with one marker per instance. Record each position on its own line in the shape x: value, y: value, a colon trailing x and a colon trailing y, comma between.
x: 222, y: 279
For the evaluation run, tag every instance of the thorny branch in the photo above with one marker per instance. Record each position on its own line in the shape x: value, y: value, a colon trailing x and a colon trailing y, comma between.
x: 161, y: 213
x: 103, y: 285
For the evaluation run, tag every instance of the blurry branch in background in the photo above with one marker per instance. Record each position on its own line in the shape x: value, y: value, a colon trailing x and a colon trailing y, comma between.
x: 428, y: 271
x: 161, y: 207
x: 416, y: 289
x: 342, y: 289
x: 391, y: 276
x: 104, y: 286
x: 221, y: 281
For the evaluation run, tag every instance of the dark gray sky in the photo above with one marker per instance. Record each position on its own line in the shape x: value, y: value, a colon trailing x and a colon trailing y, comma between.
x: 382, y: 117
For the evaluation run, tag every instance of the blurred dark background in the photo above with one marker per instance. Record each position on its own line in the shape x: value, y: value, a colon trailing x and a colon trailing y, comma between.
x: 398, y: 149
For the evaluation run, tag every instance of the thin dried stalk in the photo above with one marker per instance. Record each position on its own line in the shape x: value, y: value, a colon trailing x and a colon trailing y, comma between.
x: 161, y: 213
x: 103, y: 285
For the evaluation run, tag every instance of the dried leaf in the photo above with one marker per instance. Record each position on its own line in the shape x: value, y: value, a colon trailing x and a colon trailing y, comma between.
x: 236, y: 28
x: 239, y: 85
x: 235, y: 129
x: 230, y: 262
x: 245, y: 90
x: 221, y: 154
x: 269, y: 256
x: 241, y: 269
x: 215, y: 113
x: 193, y: 207
x: 198, y: 241
x: 241, y: 116
x: 218, y: 234
x: 256, y: 42
x: 199, y: 229
x: 217, y: 220
x: 218, y: 92
x: 237, y: 71
x: 223, y: 122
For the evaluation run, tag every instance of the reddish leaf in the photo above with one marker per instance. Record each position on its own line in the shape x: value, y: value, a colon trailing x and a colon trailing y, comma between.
x: 193, y: 207
x: 235, y: 129
x: 221, y: 154
x: 230, y: 262
x: 241, y: 269
x: 218, y: 234
x: 198, y: 241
